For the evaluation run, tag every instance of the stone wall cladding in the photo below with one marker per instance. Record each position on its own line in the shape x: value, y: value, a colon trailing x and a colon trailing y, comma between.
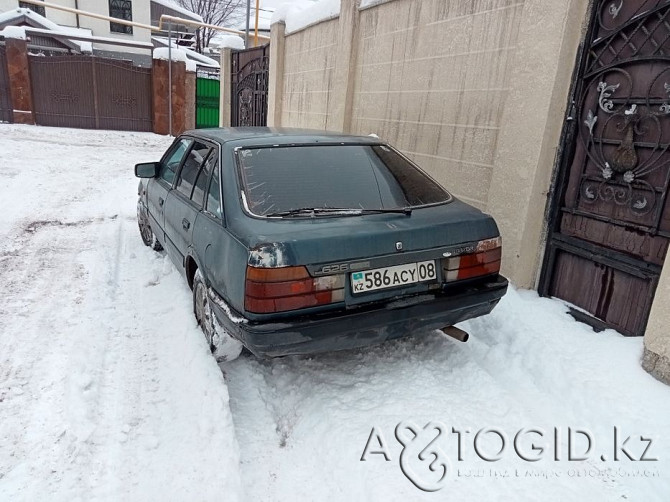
x: 309, y: 65
x: 432, y: 78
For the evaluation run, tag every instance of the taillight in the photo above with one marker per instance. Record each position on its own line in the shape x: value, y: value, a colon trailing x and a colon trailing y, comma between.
x: 484, y: 261
x: 289, y: 288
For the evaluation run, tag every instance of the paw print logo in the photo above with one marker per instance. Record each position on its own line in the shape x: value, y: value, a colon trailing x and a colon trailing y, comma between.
x: 422, y: 460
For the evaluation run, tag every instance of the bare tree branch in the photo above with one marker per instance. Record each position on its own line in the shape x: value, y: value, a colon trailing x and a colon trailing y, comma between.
x: 215, y: 12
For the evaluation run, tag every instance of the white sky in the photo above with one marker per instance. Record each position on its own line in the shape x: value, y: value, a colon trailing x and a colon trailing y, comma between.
x: 264, y: 4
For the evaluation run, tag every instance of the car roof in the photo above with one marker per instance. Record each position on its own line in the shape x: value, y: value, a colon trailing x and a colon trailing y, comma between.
x: 260, y: 136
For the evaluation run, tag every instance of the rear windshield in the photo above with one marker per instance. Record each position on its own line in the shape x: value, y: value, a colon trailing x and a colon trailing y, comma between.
x: 284, y: 178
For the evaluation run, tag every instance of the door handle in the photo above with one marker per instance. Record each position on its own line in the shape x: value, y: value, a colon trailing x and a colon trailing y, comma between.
x: 160, y: 201
x: 185, y: 223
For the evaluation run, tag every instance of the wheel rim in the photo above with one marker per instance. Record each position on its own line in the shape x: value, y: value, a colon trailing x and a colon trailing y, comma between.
x: 202, y: 314
x: 146, y: 233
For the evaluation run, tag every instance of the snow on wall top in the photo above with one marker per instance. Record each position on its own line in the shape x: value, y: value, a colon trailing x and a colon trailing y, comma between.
x: 227, y: 41
x: 264, y: 21
x: 200, y: 59
x: 177, y: 55
x: 16, y: 32
x: 170, y: 4
x: 299, y: 15
x: 371, y: 3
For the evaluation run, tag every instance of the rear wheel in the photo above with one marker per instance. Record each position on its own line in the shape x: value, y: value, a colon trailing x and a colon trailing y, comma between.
x: 146, y: 233
x: 223, y: 346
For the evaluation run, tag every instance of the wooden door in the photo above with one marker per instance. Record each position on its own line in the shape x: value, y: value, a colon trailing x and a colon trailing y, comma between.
x: 610, y: 216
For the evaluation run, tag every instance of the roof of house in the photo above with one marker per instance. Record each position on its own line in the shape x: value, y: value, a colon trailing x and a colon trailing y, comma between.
x: 27, y: 17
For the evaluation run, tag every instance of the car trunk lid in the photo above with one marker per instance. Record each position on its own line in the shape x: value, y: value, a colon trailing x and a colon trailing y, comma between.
x: 405, y: 247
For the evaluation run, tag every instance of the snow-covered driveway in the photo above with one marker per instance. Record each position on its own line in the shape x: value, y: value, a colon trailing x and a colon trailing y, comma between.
x: 107, y: 391
x: 106, y: 386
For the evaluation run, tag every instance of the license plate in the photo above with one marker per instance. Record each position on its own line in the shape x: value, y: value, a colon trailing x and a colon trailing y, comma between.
x: 391, y: 277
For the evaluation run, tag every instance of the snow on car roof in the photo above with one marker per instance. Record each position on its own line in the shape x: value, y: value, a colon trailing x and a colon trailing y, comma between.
x: 278, y: 135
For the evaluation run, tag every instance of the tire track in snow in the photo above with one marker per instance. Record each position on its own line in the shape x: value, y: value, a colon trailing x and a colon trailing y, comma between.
x: 31, y: 345
x: 115, y: 418
x: 308, y: 418
x: 109, y: 390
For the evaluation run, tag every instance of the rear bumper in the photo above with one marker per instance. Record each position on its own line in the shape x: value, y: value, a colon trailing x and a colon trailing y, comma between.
x: 358, y: 328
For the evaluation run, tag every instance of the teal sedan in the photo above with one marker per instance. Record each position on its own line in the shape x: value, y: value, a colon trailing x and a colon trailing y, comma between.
x: 299, y: 242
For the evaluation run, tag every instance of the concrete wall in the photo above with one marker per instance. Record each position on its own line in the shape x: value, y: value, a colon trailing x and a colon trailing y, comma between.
x: 432, y: 78
x: 473, y: 91
x: 309, y: 65
x: 6, y: 5
x: 141, y: 14
x: 656, y: 358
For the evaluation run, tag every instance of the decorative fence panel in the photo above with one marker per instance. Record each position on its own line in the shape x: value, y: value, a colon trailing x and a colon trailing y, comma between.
x: 92, y: 93
x: 124, y: 101
x: 6, y: 114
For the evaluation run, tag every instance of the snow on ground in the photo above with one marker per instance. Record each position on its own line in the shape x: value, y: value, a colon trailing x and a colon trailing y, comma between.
x: 107, y: 391
x: 528, y: 365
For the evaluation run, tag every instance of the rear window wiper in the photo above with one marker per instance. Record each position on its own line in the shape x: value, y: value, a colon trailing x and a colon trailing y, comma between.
x: 339, y: 211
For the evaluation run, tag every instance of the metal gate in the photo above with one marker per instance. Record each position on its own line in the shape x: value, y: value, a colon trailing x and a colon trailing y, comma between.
x: 89, y: 92
x: 6, y: 114
x: 249, y: 94
x: 609, y: 221
x: 207, y: 90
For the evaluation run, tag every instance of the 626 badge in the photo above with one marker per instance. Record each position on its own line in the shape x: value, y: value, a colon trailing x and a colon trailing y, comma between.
x: 389, y: 277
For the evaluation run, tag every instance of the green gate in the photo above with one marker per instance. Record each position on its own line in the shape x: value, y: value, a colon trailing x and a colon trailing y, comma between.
x: 207, y: 102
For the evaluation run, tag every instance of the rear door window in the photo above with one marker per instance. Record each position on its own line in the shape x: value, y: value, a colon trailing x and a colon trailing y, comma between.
x: 369, y: 177
x: 213, y: 195
x: 173, y: 159
x: 200, y: 186
x: 189, y: 171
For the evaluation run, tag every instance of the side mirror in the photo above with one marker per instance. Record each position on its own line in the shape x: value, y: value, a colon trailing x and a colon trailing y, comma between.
x: 147, y: 169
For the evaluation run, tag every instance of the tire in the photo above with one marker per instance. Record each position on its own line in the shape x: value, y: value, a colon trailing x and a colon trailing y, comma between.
x: 223, y: 346
x: 146, y: 233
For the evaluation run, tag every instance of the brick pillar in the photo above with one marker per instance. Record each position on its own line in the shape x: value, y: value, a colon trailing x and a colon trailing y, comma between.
x: 160, y: 82
x: 19, y: 80
x: 190, y: 100
x: 178, y: 97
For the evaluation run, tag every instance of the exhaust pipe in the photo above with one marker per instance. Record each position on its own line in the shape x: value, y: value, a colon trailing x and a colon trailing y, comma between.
x: 455, y: 333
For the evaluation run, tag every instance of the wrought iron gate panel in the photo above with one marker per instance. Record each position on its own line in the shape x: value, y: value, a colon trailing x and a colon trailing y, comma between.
x: 6, y: 114
x: 610, y: 215
x: 91, y: 93
x: 249, y: 94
